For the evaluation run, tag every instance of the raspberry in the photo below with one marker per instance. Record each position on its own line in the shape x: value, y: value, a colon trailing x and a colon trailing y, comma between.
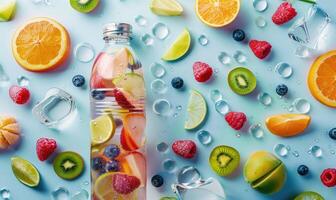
x: 202, y: 71
x: 328, y: 177
x: 260, y: 48
x: 184, y: 148
x: 284, y: 13
x: 19, y: 95
x: 45, y: 147
x: 236, y: 119
x: 125, y: 184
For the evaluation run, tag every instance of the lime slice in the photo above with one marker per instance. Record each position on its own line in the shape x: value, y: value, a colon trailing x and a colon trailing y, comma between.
x: 166, y: 7
x: 25, y: 172
x: 7, y: 9
x: 179, y: 47
x: 102, y: 129
x: 197, y: 110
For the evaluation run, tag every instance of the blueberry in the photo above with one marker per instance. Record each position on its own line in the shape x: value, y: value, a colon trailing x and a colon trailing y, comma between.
x: 302, y: 170
x: 238, y: 35
x: 112, y: 166
x: 157, y: 180
x: 98, y: 163
x: 78, y: 80
x: 112, y: 151
x: 98, y: 95
x: 281, y: 90
x: 332, y: 133
x: 177, y: 82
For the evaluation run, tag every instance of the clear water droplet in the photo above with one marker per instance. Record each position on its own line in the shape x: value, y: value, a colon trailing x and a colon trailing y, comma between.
x: 316, y: 151
x: 5, y: 194
x: 281, y: 150
x: 179, y: 107
x: 290, y: 108
x: 4, y: 78
x: 86, y: 183
x: 84, y: 52
x: 160, y: 31
x: 240, y: 57
x: 224, y: 58
x: 48, y: 2
x: 296, y: 153
x: 204, y: 137
x: 238, y: 135
x: 162, y: 147
x: 215, y: 95
x: 188, y: 175
x: 158, y: 70
x: 159, y: 86
x: 22, y: 81
x: 222, y: 107
x: 203, y: 40
x: 169, y: 165
x: 260, y: 5
x: 256, y: 131
x: 264, y: 98
x: 302, y: 52
x: 316, y: 140
x: 175, y: 115
x: 147, y: 39
x: 284, y: 70
x: 260, y: 22
x: 332, y: 152
x: 81, y: 195
x: 60, y: 193
x: 140, y: 20
x: 301, y: 105
x: 161, y: 107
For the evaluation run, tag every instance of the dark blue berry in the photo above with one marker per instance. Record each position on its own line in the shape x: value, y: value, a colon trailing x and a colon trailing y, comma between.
x: 78, y: 80
x: 238, y: 35
x: 281, y: 90
x: 302, y: 170
x: 157, y: 181
x: 112, y: 151
x: 98, y: 163
x: 332, y: 133
x: 98, y: 95
x: 177, y: 82
x: 112, y: 166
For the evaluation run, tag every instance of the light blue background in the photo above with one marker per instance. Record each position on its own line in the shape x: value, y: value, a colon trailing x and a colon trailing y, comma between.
x: 88, y: 28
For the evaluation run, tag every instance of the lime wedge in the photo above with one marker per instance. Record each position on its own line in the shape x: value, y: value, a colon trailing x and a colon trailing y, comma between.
x: 197, y: 110
x: 166, y: 7
x: 25, y: 172
x: 7, y: 9
x: 102, y: 129
x: 179, y: 47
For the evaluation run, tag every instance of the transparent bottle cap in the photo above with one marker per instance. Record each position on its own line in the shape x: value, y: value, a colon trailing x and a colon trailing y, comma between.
x: 117, y: 29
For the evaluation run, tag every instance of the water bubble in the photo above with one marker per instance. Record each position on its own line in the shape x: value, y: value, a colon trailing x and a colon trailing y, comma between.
x: 302, y: 52
x: 160, y: 31
x: 81, y: 195
x: 162, y: 147
x: 260, y: 22
x: 147, y: 39
x: 86, y: 183
x: 169, y: 165
x: 5, y: 194
x: 84, y: 52
x: 22, y: 81
x: 60, y: 193
x: 290, y: 108
x: 158, y: 70
x: 179, y: 107
x: 222, y: 107
x: 296, y: 153
x: 204, y: 137
x: 215, y: 95
x: 260, y: 5
x: 280, y: 150
x: 224, y: 58
x: 159, y: 86
x: 256, y: 131
x: 188, y: 175
x: 240, y: 57
x: 284, y: 70
x: 332, y: 152
x: 238, y: 135
x: 4, y: 79
x: 264, y: 98
x: 316, y: 151
x: 140, y: 20
x: 301, y: 105
x: 316, y: 140
x: 175, y: 115
x: 203, y: 40
x: 161, y: 107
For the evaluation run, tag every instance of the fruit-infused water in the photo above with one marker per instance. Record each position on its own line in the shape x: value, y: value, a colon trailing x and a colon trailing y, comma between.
x: 118, y: 164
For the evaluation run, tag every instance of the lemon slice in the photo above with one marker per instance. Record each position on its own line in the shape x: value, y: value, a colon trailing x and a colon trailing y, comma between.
x: 7, y: 9
x: 166, y: 7
x: 179, y: 47
x: 102, y: 129
x: 197, y: 110
x: 25, y: 172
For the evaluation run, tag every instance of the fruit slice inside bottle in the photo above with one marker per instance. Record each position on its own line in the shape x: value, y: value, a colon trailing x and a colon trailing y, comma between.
x: 132, y: 136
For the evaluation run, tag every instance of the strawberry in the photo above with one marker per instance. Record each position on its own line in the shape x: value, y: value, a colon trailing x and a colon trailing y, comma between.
x: 284, y: 13
x: 202, y: 71
x: 125, y: 184
x: 121, y: 99
x: 236, y: 119
x: 328, y: 177
x: 260, y: 48
x: 19, y: 95
x: 184, y: 148
x: 45, y: 147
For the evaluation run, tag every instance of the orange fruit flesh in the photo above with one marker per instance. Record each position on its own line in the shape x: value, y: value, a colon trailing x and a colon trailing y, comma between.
x: 9, y: 132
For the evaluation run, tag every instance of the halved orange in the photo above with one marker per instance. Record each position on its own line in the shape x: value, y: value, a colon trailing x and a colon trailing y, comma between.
x: 322, y: 79
x: 217, y: 13
x: 42, y: 44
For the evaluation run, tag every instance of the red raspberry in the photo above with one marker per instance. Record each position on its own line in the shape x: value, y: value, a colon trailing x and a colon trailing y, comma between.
x: 19, y: 95
x: 236, y: 119
x: 184, y: 148
x: 202, y: 71
x: 45, y: 147
x: 260, y: 48
x: 125, y: 184
x: 284, y: 13
x: 328, y: 177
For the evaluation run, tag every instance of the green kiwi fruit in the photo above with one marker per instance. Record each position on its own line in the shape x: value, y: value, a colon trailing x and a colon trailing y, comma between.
x: 242, y: 81
x: 84, y: 6
x: 309, y: 195
x: 68, y: 165
x: 224, y: 160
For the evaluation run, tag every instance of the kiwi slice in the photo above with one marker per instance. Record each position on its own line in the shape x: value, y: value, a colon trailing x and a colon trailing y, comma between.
x: 242, y: 81
x: 309, y: 195
x: 68, y: 165
x: 84, y: 6
x: 224, y: 160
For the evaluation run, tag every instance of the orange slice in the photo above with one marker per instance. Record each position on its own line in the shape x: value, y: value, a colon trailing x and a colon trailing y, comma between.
x: 217, y: 13
x: 42, y: 44
x: 287, y: 125
x: 9, y: 132
x: 322, y: 79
